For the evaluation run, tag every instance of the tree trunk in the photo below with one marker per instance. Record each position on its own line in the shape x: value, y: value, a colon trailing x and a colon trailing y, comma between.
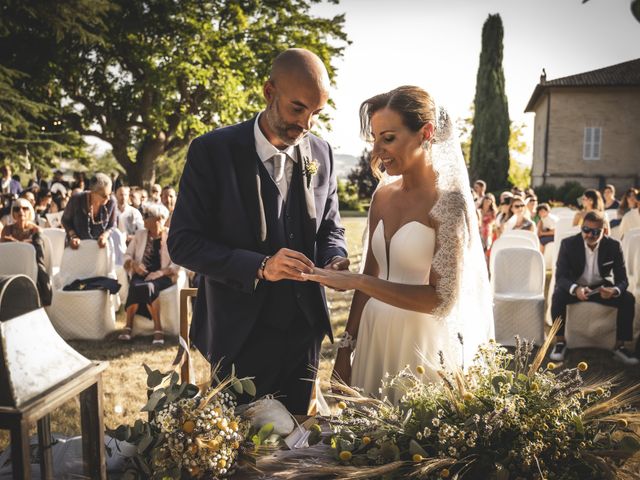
x: 142, y: 172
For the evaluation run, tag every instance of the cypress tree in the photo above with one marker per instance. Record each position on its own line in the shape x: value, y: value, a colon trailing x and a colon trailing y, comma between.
x: 490, y: 136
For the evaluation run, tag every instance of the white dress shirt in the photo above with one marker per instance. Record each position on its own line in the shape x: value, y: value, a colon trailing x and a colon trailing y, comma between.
x: 591, y: 274
x: 129, y: 221
x: 266, y: 151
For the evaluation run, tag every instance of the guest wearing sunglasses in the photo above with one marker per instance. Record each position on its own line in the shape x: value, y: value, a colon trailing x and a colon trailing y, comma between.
x: 519, y: 217
x: 591, y: 268
x: 23, y: 229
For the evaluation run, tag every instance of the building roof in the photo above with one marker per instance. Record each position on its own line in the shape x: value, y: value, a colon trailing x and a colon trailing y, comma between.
x: 625, y: 74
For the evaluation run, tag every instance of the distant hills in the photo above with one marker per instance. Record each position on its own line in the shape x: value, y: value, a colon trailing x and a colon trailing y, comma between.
x: 344, y: 164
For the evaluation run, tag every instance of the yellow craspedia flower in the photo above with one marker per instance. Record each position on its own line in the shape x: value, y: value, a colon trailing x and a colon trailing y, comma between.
x: 551, y: 366
x: 417, y: 457
x: 420, y: 370
x: 468, y: 396
x: 342, y: 405
x: 444, y: 473
x: 233, y: 425
x: 600, y: 391
x: 222, y: 423
x: 623, y: 423
x: 582, y: 366
x: 534, y: 387
x: 345, y: 455
x: 188, y: 426
x: 222, y: 463
x: 366, y: 440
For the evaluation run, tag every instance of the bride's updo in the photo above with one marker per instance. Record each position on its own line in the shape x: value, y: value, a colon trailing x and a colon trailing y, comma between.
x: 415, y: 106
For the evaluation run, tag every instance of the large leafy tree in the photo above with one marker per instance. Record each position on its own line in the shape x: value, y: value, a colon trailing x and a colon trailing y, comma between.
x: 490, y: 137
x: 31, y: 33
x: 169, y: 70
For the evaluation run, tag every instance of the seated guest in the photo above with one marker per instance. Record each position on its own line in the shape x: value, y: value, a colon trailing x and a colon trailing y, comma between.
x: 90, y: 215
x: 609, y: 196
x: 591, y: 200
x: 628, y: 202
x: 546, y: 226
x: 144, y: 197
x: 503, y: 211
x: 168, y: 198
x: 156, y: 192
x: 518, y: 216
x: 22, y: 229
x: 128, y: 219
x: 480, y: 189
x: 9, y: 185
x: 631, y: 219
x: 151, y: 270
x: 532, y: 205
x: 590, y: 268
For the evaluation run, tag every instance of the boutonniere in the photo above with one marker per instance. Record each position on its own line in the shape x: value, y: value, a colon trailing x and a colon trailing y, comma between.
x: 310, y: 169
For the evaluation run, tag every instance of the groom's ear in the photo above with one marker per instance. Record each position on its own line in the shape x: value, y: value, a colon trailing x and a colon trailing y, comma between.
x: 268, y: 90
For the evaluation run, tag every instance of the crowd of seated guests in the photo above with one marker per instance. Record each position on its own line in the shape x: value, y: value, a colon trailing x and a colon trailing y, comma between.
x: 91, y: 209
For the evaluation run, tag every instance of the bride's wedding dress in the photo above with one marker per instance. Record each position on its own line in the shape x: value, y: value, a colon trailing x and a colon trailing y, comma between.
x: 389, y: 338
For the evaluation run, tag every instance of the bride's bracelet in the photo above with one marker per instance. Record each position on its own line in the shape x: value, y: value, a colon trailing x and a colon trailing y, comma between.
x: 346, y: 340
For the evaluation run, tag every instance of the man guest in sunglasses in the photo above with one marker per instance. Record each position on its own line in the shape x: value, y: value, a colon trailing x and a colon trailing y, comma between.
x: 590, y: 268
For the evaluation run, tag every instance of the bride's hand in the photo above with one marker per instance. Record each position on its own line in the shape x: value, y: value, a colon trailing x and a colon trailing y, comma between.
x: 336, y: 279
x: 342, y: 366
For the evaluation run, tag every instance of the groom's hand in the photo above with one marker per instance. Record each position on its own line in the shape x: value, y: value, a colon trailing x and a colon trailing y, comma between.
x: 338, y: 263
x: 287, y: 264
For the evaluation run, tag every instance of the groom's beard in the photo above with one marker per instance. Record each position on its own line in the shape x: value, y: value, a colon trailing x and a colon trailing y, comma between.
x: 289, y: 133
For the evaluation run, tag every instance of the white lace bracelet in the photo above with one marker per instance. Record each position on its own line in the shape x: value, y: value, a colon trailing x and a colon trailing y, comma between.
x: 346, y: 340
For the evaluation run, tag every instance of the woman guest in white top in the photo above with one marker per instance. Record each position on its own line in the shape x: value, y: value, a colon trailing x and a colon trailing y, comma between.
x: 151, y: 271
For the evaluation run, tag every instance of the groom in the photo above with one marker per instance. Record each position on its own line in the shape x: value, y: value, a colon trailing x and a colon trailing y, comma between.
x: 257, y: 207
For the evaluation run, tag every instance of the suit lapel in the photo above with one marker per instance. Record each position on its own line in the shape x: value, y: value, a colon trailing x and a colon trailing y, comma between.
x: 246, y: 160
x: 309, y: 224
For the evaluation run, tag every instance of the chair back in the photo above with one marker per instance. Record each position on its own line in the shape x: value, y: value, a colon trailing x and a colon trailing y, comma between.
x: 563, y: 224
x: 611, y: 214
x: 18, y: 258
x: 523, y: 234
x: 631, y: 250
x: 87, y: 261
x: 557, y: 240
x: 47, y: 252
x: 518, y: 271
x: 563, y: 212
x: 509, y: 242
x: 57, y: 237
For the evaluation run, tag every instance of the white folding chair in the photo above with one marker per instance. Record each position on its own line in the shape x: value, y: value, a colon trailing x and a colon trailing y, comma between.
x: 88, y: 315
x: 563, y: 212
x: 518, y: 292
x: 523, y: 234
x: 18, y: 257
x: 169, y: 310
x: 57, y: 237
x: 509, y: 242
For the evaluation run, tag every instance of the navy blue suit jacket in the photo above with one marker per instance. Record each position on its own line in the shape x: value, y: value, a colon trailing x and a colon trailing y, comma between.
x: 218, y: 229
x: 572, y: 259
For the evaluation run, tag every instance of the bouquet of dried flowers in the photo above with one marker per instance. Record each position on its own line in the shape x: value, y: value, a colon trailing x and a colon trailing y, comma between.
x: 507, y: 417
x: 193, y: 432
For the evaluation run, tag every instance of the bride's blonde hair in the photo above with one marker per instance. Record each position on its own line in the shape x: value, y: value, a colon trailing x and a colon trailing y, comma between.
x: 413, y: 104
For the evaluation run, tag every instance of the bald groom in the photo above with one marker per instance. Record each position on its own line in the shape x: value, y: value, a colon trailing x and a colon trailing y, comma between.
x: 257, y: 207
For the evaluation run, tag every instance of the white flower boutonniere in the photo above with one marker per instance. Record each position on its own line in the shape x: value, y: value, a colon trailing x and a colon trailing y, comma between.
x: 310, y: 169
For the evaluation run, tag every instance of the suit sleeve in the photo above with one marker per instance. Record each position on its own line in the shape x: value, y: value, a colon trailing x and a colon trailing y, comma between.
x: 190, y: 240
x: 563, y: 277
x: 330, y: 237
x: 619, y: 269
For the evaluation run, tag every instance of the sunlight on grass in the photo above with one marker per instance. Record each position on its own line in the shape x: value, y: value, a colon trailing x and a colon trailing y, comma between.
x: 124, y: 381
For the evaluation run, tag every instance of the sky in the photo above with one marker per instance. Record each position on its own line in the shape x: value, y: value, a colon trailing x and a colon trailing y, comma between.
x: 436, y: 44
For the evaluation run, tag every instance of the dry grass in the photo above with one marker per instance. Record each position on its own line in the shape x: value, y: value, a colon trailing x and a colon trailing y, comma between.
x: 124, y: 381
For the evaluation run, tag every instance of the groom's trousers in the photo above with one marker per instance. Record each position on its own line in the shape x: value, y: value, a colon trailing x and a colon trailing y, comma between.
x: 283, y: 362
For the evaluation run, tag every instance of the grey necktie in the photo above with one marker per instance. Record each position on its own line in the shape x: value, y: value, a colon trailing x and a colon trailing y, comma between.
x: 279, y: 161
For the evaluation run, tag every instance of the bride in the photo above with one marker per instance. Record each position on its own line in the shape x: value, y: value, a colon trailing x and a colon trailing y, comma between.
x: 423, y: 295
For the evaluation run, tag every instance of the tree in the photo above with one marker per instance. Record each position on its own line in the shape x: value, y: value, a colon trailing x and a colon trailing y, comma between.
x: 31, y: 32
x: 490, y: 137
x: 168, y: 71
x: 362, y: 177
